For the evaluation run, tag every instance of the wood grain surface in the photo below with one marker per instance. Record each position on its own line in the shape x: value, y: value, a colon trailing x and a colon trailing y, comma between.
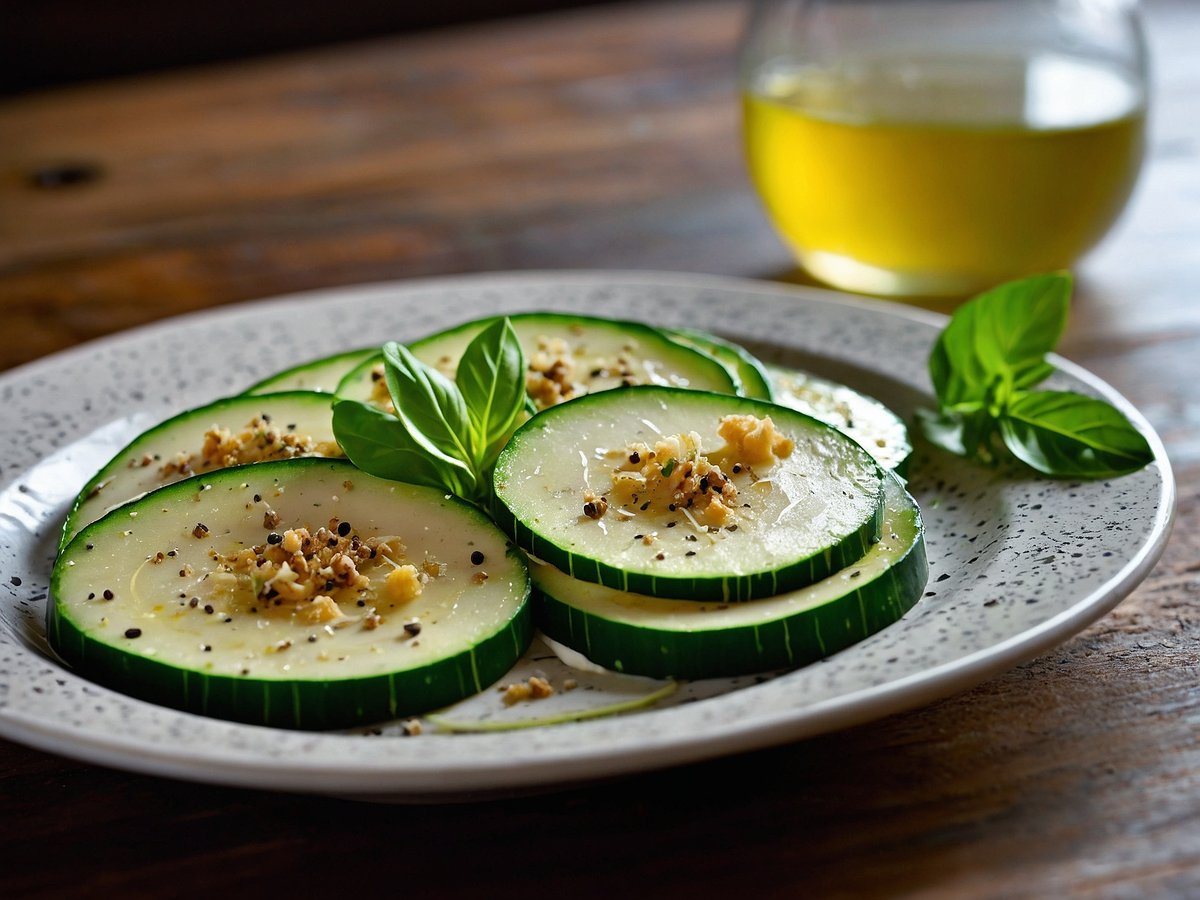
x: 601, y: 138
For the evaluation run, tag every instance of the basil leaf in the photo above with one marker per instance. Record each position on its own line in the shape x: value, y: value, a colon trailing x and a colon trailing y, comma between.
x: 1069, y: 435
x: 1000, y: 337
x: 428, y: 403
x: 381, y: 445
x: 965, y: 434
x: 1034, y: 374
x: 491, y: 377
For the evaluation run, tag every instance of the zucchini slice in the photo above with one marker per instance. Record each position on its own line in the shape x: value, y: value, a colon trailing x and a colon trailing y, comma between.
x: 321, y: 375
x: 169, y: 598
x: 752, y: 377
x: 612, y: 489
x: 642, y: 635
x: 875, y: 426
x: 568, y: 356
x: 235, y: 429
x: 543, y: 689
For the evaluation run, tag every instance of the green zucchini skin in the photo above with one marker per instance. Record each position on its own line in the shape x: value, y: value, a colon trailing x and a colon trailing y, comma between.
x: 303, y: 705
x: 551, y: 541
x: 702, y: 643
x: 314, y: 699
x: 875, y: 426
x: 751, y: 374
x: 121, y: 478
x: 319, y: 375
x: 443, y: 350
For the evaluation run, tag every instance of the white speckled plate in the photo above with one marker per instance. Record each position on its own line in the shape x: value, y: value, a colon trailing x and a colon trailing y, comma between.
x: 1017, y: 564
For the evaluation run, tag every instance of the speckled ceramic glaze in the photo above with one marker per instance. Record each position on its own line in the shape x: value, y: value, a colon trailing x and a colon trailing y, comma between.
x: 1017, y: 564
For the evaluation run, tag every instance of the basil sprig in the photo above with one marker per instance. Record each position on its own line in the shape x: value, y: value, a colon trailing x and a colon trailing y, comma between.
x: 445, y: 434
x: 983, y: 366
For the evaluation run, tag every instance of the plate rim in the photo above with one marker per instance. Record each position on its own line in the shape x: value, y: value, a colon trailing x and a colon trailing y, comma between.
x: 575, y: 765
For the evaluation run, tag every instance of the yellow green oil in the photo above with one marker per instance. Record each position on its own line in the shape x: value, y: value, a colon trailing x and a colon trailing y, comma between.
x: 942, y: 175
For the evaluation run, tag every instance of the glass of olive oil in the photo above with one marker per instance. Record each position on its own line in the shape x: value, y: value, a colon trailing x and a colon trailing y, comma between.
x: 939, y: 147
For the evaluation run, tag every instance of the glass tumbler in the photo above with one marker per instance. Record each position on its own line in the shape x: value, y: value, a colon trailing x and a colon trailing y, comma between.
x: 939, y: 147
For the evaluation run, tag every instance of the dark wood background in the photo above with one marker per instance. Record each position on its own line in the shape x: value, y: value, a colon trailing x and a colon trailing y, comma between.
x: 583, y: 138
x: 51, y: 42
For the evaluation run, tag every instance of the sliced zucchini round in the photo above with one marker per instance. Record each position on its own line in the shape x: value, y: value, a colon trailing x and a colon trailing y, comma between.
x: 790, y: 520
x: 751, y: 374
x: 233, y: 430
x: 875, y: 426
x: 169, y: 598
x: 568, y: 356
x: 642, y: 635
x: 321, y: 375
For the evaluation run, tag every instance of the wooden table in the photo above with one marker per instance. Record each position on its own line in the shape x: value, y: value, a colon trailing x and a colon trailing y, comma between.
x: 601, y: 138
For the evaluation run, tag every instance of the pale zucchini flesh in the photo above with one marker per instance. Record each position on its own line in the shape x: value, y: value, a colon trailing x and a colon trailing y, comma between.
x: 138, y: 602
x: 875, y: 426
x: 810, y: 514
x: 150, y: 460
x: 320, y: 375
x: 659, y: 638
x: 601, y: 354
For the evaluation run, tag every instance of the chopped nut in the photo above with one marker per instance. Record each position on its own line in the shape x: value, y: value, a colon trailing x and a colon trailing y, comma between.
x: 404, y: 584
x: 258, y: 441
x: 684, y: 479
x: 304, y: 574
x: 535, y: 688
x: 594, y: 507
x: 753, y: 441
x: 322, y: 608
